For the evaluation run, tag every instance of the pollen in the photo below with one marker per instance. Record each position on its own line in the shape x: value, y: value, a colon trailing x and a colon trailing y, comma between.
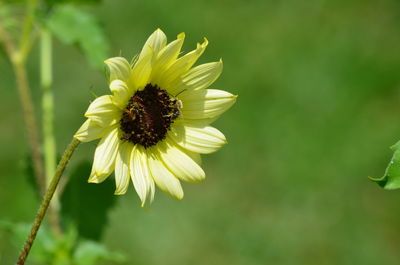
x: 148, y: 116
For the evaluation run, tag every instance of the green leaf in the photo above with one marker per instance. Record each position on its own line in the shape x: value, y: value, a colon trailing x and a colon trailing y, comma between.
x: 48, y: 248
x: 75, y: 26
x: 85, y: 204
x: 90, y: 252
x: 391, y: 178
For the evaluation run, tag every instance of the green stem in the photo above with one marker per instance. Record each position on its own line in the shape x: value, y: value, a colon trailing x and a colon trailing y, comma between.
x: 46, y: 200
x: 49, y: 143
x: 47, y: 103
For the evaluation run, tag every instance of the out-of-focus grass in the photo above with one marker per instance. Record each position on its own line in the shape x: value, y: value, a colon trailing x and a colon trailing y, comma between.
x: 319, y: 87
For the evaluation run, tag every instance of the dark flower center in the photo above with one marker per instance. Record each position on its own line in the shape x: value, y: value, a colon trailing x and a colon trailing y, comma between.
x: 148, y: 116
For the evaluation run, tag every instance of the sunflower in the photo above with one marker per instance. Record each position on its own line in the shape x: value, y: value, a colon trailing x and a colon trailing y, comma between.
x: 156, y: 123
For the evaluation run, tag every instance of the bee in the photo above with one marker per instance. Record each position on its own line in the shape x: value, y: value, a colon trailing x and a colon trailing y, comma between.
x: 133, y: 111
x: 178, y: 105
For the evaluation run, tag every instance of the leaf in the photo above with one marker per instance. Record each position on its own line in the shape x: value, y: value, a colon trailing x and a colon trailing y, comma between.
x: 75, y: 26
x: 391, y: 178
x: 86, y: 205
x: 89, y: 252
x: 48, y: 248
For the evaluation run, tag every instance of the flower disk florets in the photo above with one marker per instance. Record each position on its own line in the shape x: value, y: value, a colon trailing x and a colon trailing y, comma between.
x: 148, y: 116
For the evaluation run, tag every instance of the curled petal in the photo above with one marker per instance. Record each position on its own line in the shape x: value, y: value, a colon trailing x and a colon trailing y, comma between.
x: 121, y: 93
x: 89, y: 131
x: 119, y: 68
x: 103, y: 111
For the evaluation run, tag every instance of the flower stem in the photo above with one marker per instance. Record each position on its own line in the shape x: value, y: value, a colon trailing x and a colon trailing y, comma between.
x: 46, y: 200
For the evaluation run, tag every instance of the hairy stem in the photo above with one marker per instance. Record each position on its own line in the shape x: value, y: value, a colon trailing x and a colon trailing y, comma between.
x: 46, y: 200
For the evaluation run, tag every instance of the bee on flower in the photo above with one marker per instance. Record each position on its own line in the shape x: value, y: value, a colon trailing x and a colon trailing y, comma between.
x: 156, y: 123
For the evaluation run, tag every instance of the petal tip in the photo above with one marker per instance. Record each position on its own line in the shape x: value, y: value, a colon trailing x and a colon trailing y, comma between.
x: 179, y: 197
x: 119, y: 192
x: 93, y: 180
x: 181, y: 35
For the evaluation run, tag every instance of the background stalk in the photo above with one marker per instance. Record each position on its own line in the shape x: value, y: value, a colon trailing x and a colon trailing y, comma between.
x: 17, y: 58
x: 49, y: 143
x: 30, y: 123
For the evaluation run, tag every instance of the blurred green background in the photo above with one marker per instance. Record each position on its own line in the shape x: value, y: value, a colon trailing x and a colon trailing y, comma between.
x: 319, y: 91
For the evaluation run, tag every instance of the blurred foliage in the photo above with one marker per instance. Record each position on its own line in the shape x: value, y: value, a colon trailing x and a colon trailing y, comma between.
x: 86, y: 206
x: 6, y: 16
x: 64, y: 250
x: 72, y: 25
x: 55, y: 2
x: 391, y: 178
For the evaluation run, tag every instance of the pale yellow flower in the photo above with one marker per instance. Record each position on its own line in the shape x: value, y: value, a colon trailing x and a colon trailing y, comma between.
x: 156, y: 123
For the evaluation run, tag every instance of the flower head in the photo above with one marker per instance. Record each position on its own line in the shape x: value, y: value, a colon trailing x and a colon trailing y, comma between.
x: 156, y: 123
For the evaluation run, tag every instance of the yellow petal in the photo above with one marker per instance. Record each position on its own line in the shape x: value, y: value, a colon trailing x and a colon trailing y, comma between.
x: 140, y: 174
x: 103, y: 111
x: 122, y: 168
x: 195, y: 156
x: 141, y: 72
x: 205, y: 103
x: 119, y: 68
x: 154, y: 44
x: 164, y: 179
x: 197, y: 78
x: 104, y: 156
x: 121, y: 93
x: 179, y: 163
x: 180, y: 67
x: 166, y: 57
x: 203, y: 140
x: 89, y: 131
